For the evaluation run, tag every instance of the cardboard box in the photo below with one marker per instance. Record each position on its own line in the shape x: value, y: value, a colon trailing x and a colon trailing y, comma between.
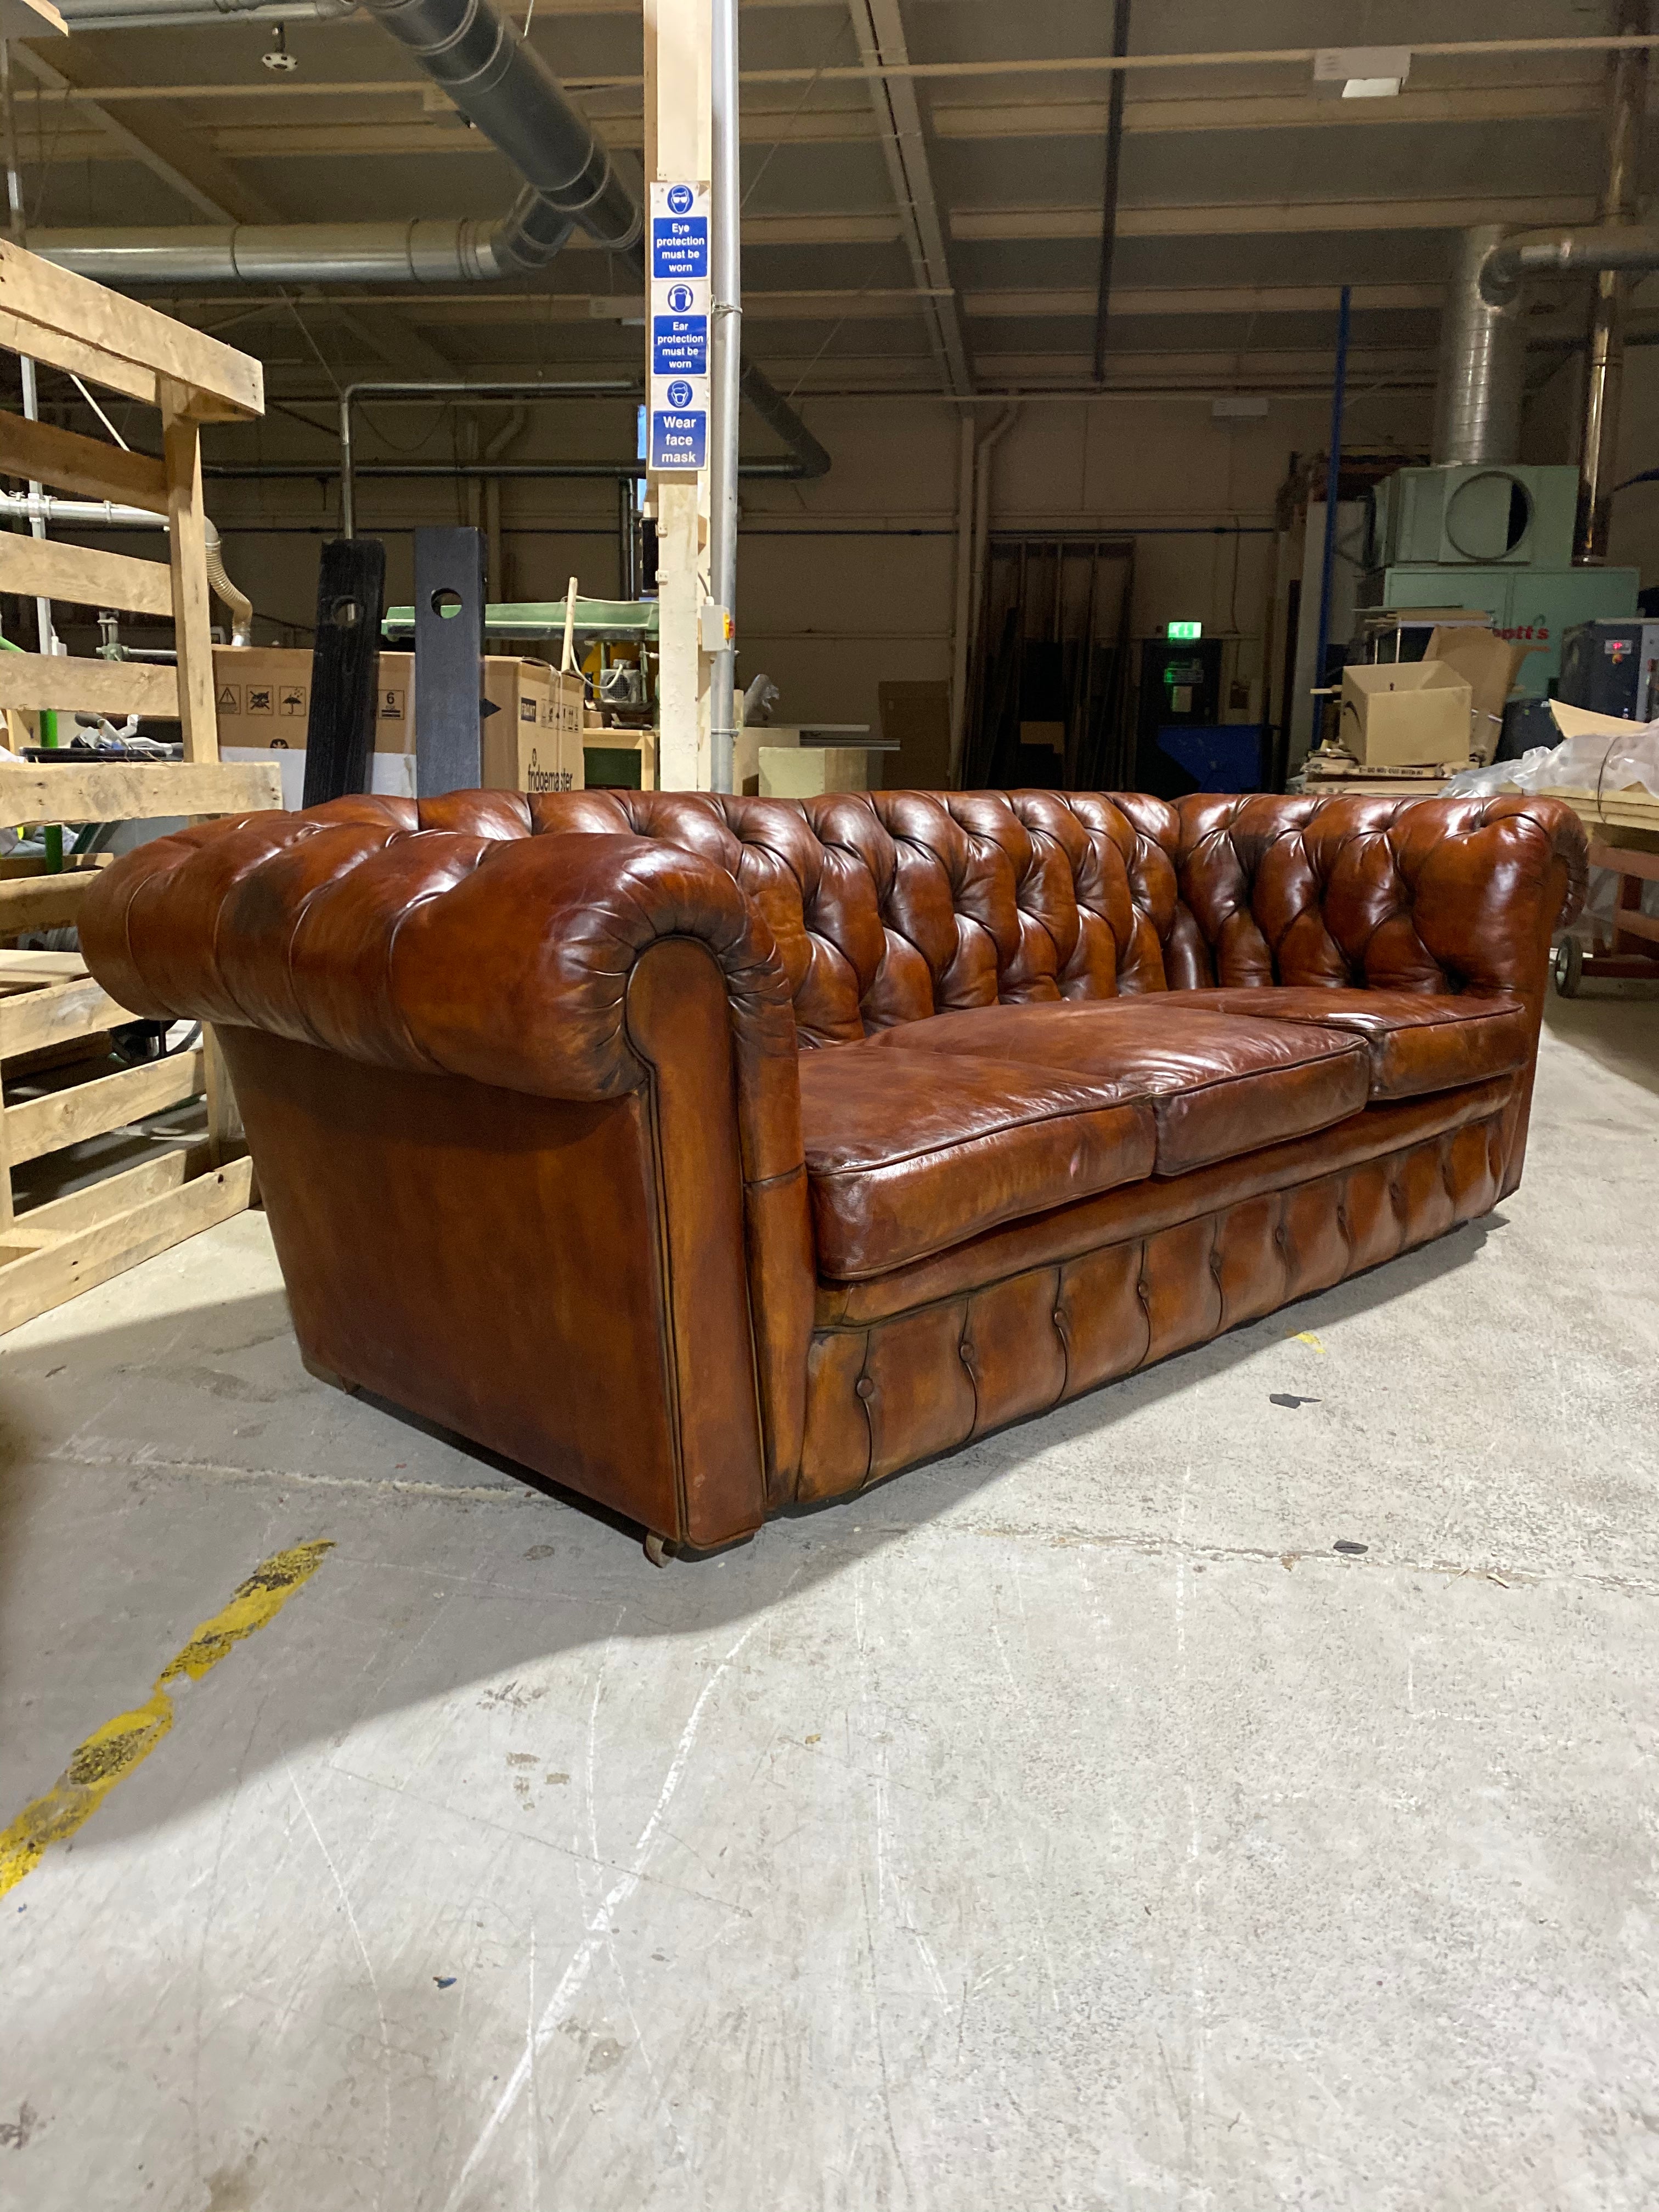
x: 808, y: 771
x: 530, y: 742
x: 533, y: 742
x: 1489, y: 664
x: 1404, y: 713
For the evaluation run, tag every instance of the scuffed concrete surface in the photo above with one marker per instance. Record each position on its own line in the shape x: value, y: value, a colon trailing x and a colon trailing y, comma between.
x: 1067, y: 1824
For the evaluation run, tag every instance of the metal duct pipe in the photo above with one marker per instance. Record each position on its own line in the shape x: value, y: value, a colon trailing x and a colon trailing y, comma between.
x: 1477, y: 415
x: 1565, y: 253
x: 105, y: 515
x: 462, y: 251
x: 161, y: 14
x: 507, y: 89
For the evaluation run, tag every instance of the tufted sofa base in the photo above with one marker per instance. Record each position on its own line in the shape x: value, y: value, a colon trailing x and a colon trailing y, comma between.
x: 935, y: 1377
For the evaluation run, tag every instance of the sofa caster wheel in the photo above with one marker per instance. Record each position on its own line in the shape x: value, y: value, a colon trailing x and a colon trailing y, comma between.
x: 656, y: 1551
x: 1567, y: 966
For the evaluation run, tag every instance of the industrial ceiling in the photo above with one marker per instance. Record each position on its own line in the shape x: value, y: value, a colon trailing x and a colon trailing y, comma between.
x: 923, y: 186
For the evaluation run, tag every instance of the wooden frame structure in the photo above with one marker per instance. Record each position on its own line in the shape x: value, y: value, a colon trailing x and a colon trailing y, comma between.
x: 48, y: 1002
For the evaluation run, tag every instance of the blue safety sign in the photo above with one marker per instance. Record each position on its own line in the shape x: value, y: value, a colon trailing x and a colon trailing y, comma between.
x: 679, y: 246
x: 679, y: 439
x: 678, y: 322
x: 679, y: 345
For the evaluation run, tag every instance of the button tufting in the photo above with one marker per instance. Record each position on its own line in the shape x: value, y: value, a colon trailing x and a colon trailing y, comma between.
x: 865, y: 1387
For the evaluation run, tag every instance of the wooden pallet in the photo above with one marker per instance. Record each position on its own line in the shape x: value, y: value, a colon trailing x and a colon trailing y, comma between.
x: 48, y: 1002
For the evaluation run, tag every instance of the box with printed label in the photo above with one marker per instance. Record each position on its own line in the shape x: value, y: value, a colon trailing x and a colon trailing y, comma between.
x: 263, y: 693
x: 530, y: 724
x: 532, y: 741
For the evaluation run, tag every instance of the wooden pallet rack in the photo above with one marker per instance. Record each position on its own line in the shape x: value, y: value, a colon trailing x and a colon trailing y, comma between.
x: 48, y: 1002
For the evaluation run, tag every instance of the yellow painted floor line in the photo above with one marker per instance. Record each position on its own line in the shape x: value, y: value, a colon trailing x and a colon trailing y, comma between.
x: 111, y: 1752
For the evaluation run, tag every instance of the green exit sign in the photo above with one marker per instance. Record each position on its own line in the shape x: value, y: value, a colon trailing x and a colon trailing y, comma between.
x: 1185, y: 631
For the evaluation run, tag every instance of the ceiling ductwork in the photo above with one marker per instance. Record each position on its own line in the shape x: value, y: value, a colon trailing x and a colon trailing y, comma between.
x: 507, y: 92
x: 1507, y: 267
x: 1483, y: 352
x: 442, y: 252
x: 166, y: 14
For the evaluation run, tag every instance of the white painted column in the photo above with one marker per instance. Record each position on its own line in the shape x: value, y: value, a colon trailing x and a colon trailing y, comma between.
x: 677, y: 150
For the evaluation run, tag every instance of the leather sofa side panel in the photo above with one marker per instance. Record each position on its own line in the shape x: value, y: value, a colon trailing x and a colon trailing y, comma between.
x: 476, y: 1255
x: 678, y: 1023
x: 1052, y: 1332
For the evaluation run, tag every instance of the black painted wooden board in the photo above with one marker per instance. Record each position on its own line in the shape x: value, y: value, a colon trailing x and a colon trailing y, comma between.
x: 449, y: 642
x: 345, y: 663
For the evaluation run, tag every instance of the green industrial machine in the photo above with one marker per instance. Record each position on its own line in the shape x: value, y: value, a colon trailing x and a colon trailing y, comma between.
x: 1497, y: 540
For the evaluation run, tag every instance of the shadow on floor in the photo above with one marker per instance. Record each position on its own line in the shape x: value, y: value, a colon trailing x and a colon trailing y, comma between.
x: 1625, y: 1042
x: 242, y: 1355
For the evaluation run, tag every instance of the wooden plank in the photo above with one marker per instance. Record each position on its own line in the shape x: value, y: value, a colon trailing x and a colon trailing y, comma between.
x: 164, y: 1170
x: 37, y: 1019
x: 226, y: 1136
x: 43, y: 901
x: 73, y: 684
x: 39, y: 1280
x: 39, y: 451
x: 192, y: 615
x: 91, y: 1109
x: 40, y: 967
x: 46, y: 568
x: 1630, y: 922
x: 1628, y: 859
x: 132, y: 793
x: 31, y: 864
x: 62, y: 350
x: 41, y: 293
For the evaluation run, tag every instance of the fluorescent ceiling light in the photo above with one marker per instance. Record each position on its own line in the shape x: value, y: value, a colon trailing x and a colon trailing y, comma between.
x: 1361, y: 72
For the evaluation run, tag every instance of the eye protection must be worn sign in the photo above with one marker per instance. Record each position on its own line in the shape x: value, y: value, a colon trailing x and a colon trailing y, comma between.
x: 679, y: 327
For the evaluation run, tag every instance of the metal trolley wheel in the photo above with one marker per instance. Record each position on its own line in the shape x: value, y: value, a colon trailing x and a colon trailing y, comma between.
x: 1567, y: 967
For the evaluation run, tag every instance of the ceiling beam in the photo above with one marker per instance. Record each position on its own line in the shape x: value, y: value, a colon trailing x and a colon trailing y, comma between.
x: 176, y: 155
x: 1246, y: 218
x: 879, y: 29
x: 876, y: 304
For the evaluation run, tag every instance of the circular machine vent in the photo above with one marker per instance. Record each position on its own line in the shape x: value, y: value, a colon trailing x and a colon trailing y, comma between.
x: 1488, y: 515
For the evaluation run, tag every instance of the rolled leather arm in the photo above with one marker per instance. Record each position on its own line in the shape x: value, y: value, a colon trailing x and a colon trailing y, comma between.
x: 1424, y: 895
x: 478, y: 950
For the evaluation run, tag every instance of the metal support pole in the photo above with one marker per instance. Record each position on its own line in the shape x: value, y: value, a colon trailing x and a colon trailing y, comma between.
x: 1332, y: 477
x: 726, y: 300
x: 1108, y: 195
x: 1604, y: 366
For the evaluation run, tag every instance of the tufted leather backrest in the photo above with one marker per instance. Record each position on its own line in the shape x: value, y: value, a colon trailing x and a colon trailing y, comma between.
x: 863, y: 910
x: 889, y: 906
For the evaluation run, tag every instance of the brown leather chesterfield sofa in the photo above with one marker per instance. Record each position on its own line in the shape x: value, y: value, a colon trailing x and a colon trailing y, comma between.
x: 708, y: 1154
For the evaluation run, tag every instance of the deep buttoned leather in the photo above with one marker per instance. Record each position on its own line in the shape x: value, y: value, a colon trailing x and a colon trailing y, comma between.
x: 521, y: 1081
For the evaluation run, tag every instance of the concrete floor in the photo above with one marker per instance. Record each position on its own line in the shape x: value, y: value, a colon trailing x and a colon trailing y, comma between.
x: 1067, y: 1824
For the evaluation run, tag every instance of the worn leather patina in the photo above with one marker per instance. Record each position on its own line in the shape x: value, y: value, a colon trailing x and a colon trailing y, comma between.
x: 706, y: 1153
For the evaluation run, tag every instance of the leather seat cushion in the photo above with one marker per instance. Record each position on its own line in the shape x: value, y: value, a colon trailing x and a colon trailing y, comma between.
x: 910, y: 1153
x: 1418, y: 1042
x: 1221, y: 1085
